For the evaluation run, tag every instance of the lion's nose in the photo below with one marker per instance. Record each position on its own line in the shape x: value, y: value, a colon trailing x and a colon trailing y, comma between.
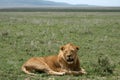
x: 68, y: 55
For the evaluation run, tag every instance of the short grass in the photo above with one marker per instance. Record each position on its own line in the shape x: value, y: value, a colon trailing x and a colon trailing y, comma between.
x: 27, y: 34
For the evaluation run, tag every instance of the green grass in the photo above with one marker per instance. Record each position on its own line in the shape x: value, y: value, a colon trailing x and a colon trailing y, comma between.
x: 27, y: 34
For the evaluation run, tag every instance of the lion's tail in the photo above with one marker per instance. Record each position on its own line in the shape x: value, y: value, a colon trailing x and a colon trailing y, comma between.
x: 27, y: 71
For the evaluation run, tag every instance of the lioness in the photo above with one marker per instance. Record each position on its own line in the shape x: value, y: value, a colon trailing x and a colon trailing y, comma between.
x: 66, y: 62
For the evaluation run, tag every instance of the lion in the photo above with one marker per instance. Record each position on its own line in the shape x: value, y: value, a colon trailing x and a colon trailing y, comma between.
x: 66, y: 62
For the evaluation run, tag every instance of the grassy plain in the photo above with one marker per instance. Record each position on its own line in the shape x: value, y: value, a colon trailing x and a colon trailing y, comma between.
x: 27, y: 34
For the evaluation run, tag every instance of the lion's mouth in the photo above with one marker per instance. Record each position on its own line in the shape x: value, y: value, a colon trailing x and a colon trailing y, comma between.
x: 70, y: 60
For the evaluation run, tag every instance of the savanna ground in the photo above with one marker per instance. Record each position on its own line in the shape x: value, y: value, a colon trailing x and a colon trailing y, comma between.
x: 27, y: 34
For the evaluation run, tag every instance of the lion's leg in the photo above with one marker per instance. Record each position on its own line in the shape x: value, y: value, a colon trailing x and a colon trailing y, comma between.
x: 81, y: 72
x: 33, y: 65
x: 69, y: 72
x: 45, y: 68
x: 51, y: 72
x: 38, y: 65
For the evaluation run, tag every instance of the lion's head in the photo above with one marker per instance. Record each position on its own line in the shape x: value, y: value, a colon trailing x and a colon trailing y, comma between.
x: 69, y: 53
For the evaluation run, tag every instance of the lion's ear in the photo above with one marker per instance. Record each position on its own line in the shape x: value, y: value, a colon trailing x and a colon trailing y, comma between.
x: 62, y: 48
x: 77, y: 47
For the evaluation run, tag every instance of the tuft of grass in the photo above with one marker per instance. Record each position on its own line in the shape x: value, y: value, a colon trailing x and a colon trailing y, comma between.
x: 104, y: 66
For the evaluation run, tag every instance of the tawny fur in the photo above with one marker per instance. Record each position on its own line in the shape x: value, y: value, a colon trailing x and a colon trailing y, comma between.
x: 66, y: 62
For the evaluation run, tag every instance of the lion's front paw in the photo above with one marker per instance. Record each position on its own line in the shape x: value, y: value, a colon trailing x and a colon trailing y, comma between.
x: 83, y: 71
x: 62, y: 73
